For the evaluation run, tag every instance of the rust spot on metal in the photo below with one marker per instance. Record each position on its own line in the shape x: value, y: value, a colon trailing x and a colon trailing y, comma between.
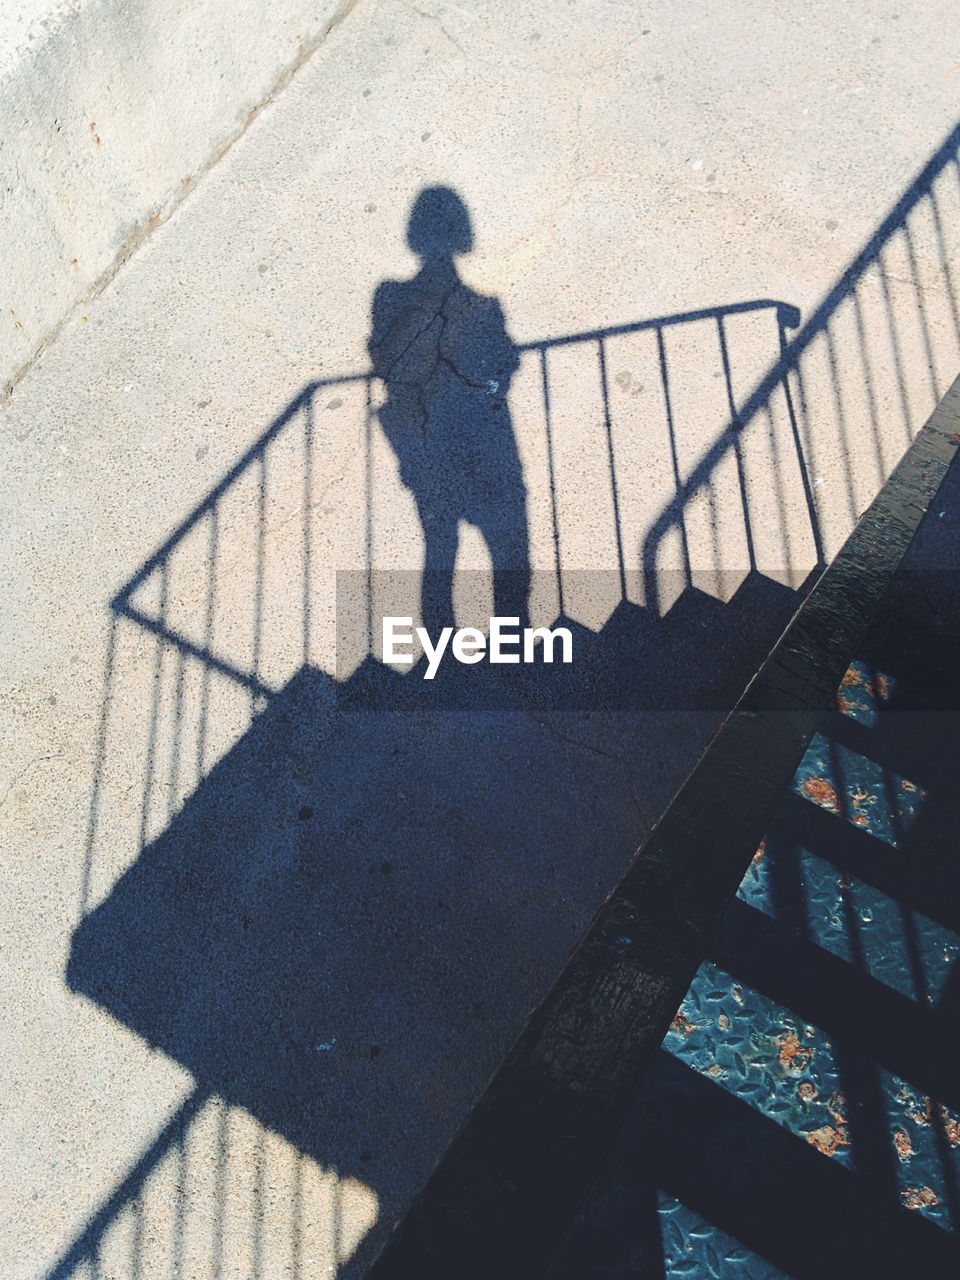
x: 821, y: 792
x: 828, y: 1139
x: 806, y: 1090
x: 917, y: 1197
x: 837, y: 1106
x: 901, y: 1140
x: 794, y: 1057
x: 723, y: 1022
x: 682, y: 1023
x: 949, y: 1124
x: 907, y: 785
x: 883, y: 686
x: 861, y: 819
x: 761, y: 850
x: 850, y: 677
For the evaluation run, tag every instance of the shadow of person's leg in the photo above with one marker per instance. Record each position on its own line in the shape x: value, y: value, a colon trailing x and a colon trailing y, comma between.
x: 440, y: 529
x: 509, y: 546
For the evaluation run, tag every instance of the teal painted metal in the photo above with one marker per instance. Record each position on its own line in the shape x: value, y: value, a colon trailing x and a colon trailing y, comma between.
x: 804, y: 1118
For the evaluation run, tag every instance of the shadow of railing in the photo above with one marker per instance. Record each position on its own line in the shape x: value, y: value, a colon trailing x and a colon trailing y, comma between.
x: 682, y: 602
x: 294, y: 432
x: 859, y: 318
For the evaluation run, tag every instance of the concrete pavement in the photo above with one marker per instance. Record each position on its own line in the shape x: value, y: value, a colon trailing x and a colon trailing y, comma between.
x: 619, y: 168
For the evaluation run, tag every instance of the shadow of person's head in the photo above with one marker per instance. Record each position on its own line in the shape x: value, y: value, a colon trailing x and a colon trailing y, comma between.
x: 439, y: 225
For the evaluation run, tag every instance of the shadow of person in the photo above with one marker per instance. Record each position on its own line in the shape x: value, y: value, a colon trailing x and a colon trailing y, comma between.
x: 443, y: 352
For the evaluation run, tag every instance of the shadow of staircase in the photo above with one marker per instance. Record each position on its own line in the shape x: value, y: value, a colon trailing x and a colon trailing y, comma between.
x: 346, y: 924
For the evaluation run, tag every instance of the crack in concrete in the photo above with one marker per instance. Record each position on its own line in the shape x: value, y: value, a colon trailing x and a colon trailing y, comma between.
x: 388, y: 377
x: 150, y: 225
x: 435, y: 18
x: 576, y: 742
x: 24, y: 771
x: 923, y: 288
x: 271, y: 529
x: 627, y: 791
x: 520, y: 62
x: 419, y: 383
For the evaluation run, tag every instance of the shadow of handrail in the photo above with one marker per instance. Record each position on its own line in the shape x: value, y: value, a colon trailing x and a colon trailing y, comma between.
x: 814, y: 328
x: 786, y: 316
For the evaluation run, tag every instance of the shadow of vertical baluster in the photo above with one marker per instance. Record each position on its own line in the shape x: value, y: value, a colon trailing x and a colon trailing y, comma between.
x: 944, y: 261
x: 651, y: 585
x: 260, y: 565
x: 921, y: 306
x: 800, y: 442
x: 737, y: 426
x: 210, y: 608
x: 713, y: 507
x: 836, y: 390
x: 150, y: 764
x: 866, y: 369
x: 895, y: 347
x: 179, y: 1235
x: 551, y: 469
x: 137, y: 1238
x: 612, y: 465
x: 173, y: 770
x: 221, y: 1175
x: 307, y: 498
x: 368, y: 508
x: 773, y: 445
x: 99, y: 765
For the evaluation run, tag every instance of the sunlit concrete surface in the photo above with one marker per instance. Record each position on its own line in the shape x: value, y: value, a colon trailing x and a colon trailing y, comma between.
x: 632, y: 177
x: 112, y: 110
